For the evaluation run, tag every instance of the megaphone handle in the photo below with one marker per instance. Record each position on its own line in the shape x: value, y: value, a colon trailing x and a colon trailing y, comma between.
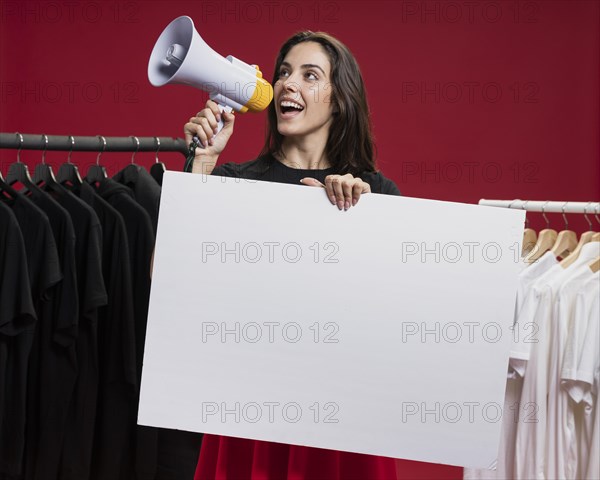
x: 196, y: 143
x: 222, y: 108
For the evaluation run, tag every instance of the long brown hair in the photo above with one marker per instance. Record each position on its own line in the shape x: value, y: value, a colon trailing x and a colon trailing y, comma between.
x: 349, y: 146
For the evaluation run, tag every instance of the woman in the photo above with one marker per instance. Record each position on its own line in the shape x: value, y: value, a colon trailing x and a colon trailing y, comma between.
x: 319, y: 135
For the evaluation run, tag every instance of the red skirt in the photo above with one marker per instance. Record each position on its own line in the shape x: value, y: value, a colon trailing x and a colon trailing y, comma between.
x: 228, y: 458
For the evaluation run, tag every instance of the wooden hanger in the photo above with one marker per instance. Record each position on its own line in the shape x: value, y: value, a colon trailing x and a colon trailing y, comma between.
x: 546, y: 239
x: 529, y: 241
x: 68, y: 173
x: 158, y: 169
x: 529, y: 236
x: 586, y: 237
x: 97, y: 173
x: 595, y: 265
x: 596, y: 237
x: 566, y: 240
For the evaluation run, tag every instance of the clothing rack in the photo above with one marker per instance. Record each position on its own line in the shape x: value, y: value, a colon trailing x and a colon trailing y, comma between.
x: 92, y: 144
x: 545, y: 207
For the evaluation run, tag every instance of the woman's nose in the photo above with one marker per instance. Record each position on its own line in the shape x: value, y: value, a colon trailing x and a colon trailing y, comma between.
x: 290, y: 85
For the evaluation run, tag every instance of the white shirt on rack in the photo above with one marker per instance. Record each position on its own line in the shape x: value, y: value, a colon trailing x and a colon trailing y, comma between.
x: 561, y: 447
x: 525, y: 309
x: 531, y: 431
x: 580, y: 379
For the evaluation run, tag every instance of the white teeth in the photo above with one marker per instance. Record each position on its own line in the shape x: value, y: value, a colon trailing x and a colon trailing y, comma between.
x: 286, y: 103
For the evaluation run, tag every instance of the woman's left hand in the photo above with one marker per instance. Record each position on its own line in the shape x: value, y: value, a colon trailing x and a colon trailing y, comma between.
x: 342, y: 190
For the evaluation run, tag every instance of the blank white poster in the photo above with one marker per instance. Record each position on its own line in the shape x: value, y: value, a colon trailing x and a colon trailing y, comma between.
x: 384, y: 329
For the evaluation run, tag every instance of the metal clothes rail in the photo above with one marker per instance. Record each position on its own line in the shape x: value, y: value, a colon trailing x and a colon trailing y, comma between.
x: 92, y: 144
x: 545, y: 206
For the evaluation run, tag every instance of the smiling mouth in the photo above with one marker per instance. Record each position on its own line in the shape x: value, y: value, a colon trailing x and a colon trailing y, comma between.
x: 290, y: 109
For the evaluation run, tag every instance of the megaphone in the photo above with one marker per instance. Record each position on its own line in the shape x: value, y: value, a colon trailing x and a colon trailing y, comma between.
x: 180, y: 56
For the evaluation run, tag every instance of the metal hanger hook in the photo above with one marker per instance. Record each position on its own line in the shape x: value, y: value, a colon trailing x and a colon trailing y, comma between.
x: 136, y: 148
x: 20, y: 146
x: 72, y: 138
x: 45, y: 147
x: 586, y: 217
x: 544, y: 214
x: 564, y: 216
x: 100, y: 137
x: 157, y: 148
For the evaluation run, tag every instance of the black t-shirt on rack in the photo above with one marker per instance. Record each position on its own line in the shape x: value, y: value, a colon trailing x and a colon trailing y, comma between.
x: 53, y: 363
x: 66, y: 306
x: 17, y: 319
x: 76, y: 450
x: 115, y: 420
x: 17, y: 313
x: 140, y: 239
x: 43, y: 263
x: 44, y: 425
x: 145, y: 189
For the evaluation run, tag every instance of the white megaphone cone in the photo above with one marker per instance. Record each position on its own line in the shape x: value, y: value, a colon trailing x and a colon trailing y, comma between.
x: 180, y: 56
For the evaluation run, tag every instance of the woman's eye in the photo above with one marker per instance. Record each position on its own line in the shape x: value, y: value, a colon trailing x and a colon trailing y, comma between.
x: 311, y: 76
x: 283, y: 73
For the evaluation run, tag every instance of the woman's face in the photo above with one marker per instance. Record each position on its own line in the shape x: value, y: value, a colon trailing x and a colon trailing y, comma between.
x: 303, y: 91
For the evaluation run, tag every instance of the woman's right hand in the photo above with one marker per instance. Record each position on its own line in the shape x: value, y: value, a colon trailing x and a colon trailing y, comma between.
x: 204, y: 126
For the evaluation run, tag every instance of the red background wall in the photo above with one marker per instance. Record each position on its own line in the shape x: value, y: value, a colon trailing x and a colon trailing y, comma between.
x: 469, y: 100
